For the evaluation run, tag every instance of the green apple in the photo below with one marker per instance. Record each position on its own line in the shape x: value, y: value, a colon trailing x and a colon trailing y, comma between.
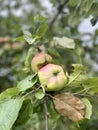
x: 39, y: 60
x: 52, y: 77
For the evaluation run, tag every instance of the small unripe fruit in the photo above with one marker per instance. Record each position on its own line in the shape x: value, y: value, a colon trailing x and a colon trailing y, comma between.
x: 7, y: 38
x: 1, y: 39
x: 7, y: 46
x: 52, y: 77
x: 40, y: 60
x: 17, y: 46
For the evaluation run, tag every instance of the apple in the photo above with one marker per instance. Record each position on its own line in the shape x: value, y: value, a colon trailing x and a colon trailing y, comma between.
x: 52, y: 77
x: 7, y: 38
x: 1, y: 39
x: 7, y: 46
x: 39, y: 60
x: 17, y: 46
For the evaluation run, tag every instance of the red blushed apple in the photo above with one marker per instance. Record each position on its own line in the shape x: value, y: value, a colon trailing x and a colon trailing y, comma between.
x: 52, y: 77
x: 39, y: 60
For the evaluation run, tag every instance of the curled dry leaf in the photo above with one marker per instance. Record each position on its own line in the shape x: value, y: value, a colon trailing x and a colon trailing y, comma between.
x: 69, y: 106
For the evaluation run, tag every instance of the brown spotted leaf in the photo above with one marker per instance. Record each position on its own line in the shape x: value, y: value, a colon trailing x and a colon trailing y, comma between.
x: 69, y: 106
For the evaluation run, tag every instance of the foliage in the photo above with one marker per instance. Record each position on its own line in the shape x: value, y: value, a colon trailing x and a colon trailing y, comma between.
x: 9, y: 109
x: 27, y: 105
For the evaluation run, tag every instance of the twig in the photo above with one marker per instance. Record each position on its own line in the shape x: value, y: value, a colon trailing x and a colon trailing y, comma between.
x: 33, y: 91
x: 46, y: 114
x: 60, y: 8
x: 50, y: 96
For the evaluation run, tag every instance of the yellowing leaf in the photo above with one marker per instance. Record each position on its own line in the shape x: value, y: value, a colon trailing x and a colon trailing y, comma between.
x: 64, y: 42
x: 69, y: 106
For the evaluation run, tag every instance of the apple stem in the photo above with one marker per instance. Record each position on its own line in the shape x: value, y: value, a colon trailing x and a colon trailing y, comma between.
x: 46, y: 114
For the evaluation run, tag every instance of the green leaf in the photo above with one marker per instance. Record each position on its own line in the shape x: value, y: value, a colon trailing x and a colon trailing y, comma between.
x: 74, y: 20
x: 27, y: 83
x: 74, y: 2
x: 80, y: 125
x: 39, y: 29
x: 78, y: 52
x: 93, y: 10
x: 54, y: 52
x: 92, y: 83
x: 27, y: 63
x: 86, y: 5
x: 9, y: 110
x: 28, y: 37
x: 78, y: 76
x: 54, y: 115
x: 29, y: 57
x: 9, y: 93
x: 21, y: 38
x: 40, y: 94
x: 25, y: 113
x: 88, y: 109
x: 64, y: 42
x: 27, y: 33
x: 39, y: 25
x: 94, y: 21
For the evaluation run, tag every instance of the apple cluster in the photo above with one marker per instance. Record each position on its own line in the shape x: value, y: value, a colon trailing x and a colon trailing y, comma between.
x: 51, y: 76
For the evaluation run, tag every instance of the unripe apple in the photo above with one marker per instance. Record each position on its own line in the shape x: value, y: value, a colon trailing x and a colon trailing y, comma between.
x: 39, y: 60
x: 1, y: 39
x: 7, y: 38
x: 7, y: 46
x: 17, y: 46
x: 52, y: 77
